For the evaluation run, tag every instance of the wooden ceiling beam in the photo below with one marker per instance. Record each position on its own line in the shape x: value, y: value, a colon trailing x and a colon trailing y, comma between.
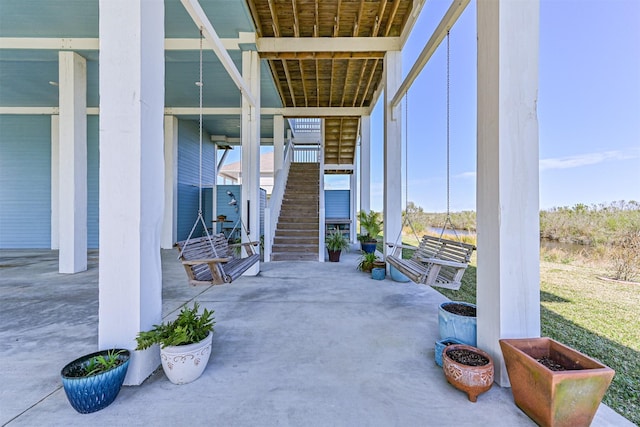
x: 289, y: 82
x: 392, y: 16
x: 277, y: 81
x: 255, y: 16
x: 274, y: 18
x: 322, y: 55
x: 304, y: 85
x: 331, y: 85
x: 316, y: 24
x: 376, y: 25
x: 317, y: 84
x: 345, y: 89
x: 366, y: 91
x: 336, y: 20
x: 326, y: 44
x: 358, y: 22
x: 360, y: 79
x: 296, y: 24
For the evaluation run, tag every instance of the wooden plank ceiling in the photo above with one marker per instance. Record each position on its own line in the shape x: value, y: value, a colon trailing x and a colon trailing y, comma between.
x: 329, y: 79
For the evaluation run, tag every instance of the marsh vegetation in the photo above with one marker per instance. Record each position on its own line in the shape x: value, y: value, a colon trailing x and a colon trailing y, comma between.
x: 580, y: 305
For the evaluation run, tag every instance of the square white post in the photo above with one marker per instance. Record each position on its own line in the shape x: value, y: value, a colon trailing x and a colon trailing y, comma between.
x: 251, y: 153
x: 55, y: 182
x: 392, y: 148
x: 170, y: 220
x: 365, y: 165
x: 278, y: 145
x: 353, y: 200
x: 131, y: 176
x: 322, y: 227
x: 508, y: 277
x: 72, y: 185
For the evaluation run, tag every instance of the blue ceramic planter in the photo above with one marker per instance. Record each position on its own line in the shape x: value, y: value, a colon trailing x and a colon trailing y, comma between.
x: 441, y: 345
x: 378, y: 273
x: 453, y: 325
x: 95, y: 392
x: 396, y: 276
x: 368, y: 247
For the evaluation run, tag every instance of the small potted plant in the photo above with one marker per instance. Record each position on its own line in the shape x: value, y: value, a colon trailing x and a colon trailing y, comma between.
x: 366, y: 261
x: 457, y: 319
x: 372, y: 223
x: 336, y: 243
x: 185, y: 343
x: 93, y: 381
x: 379, y: 270
x: 555, y: 385
x: 468, y: 368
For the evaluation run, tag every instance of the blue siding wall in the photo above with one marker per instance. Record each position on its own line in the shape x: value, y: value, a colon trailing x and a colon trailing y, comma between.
x: 336, y: 204
x: 188, y: 181
x: 93, y: 178
x: 25, y: 181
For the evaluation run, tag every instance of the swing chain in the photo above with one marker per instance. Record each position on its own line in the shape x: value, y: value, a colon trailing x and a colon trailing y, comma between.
x: 448, y: 133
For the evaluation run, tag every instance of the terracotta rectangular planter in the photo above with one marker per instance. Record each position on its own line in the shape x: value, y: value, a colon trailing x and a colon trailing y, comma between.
x: 554, y: 398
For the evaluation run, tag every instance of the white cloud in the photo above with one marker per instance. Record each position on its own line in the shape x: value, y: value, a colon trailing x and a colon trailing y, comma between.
x: 465, y: 175
x: 586, y: 159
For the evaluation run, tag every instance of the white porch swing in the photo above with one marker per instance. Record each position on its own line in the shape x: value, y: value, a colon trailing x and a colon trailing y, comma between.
x: 210, y: 259
x: 437, y: 261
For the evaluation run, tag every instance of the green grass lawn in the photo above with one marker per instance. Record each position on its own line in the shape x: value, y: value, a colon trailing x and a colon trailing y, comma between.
x: 597, y: 317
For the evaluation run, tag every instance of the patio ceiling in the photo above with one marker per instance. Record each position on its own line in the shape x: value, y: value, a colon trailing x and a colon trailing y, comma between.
x: 310, y: 75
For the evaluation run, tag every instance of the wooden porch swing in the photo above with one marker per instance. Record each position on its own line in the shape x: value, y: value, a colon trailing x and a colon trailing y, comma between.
x: 210, y: 259
x: 436, y: 261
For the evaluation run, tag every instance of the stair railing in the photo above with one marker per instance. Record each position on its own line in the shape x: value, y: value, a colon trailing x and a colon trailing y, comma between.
x: 272, y: 211
x: 306, y: 153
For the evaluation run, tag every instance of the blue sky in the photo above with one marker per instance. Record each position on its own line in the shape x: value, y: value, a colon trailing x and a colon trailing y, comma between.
x: 588, y: 108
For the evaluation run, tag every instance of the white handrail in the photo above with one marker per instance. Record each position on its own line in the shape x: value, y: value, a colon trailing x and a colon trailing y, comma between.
x: 272, y: 211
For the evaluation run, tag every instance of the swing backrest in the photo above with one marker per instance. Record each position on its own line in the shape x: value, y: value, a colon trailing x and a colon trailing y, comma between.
x: 444, y: 249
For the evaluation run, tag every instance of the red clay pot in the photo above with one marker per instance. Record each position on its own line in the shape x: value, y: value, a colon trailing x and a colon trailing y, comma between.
x: 554, y: 398
x: 473, y: 380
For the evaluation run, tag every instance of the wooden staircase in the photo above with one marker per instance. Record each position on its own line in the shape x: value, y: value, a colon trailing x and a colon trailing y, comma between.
x: 296, y: 235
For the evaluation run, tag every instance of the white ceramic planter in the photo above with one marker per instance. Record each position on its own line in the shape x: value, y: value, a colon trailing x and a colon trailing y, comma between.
x: 185, y: 363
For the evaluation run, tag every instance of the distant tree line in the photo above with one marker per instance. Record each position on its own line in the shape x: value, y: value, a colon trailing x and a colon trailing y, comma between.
x: 582, y: 224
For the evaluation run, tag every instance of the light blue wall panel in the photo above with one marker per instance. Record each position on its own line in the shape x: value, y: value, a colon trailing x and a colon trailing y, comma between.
x: 336, y: 203
x: 188, y: 175
x: 25, y: 181
x: 93, y: 177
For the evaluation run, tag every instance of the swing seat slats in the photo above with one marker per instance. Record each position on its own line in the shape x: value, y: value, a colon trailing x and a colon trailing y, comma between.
x: 204, y: 266
x: 435, y: 262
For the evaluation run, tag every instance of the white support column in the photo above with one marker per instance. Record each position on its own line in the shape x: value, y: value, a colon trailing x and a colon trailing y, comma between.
x: 365, y: 165
x: 55, y: 182
x: 321, y: 211
x: 251, y: 152
x: 353, y: 189
x: 508, y: 274
x: 72, y: 78
x: 392, y: 147
x: 278, y: 145
x: 131, y: 176
x: 170, y: 220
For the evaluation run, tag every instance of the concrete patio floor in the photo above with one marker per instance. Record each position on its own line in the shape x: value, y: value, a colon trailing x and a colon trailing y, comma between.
x: 302, y: 344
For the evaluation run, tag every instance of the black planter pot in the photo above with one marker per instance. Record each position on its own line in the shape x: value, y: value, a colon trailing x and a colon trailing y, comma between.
x: 334, y: 256
x: 94, y: 392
